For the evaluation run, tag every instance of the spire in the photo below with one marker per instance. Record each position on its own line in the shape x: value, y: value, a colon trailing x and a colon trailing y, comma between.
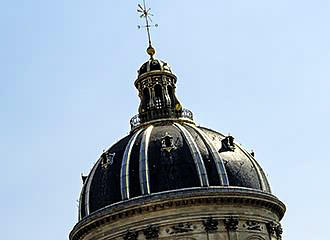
x: 146, y: 14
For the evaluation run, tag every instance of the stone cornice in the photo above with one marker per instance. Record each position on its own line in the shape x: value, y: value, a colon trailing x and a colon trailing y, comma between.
x: 176, y: 199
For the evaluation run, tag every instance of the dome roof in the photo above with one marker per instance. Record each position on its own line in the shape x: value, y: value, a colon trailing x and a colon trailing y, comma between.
x: 167, y: 156
x: 153, y: 65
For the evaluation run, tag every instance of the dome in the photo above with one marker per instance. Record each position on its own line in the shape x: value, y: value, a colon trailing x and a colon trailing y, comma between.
x: 171, y: 179
x: 166, y: 156
x: 154, y: 65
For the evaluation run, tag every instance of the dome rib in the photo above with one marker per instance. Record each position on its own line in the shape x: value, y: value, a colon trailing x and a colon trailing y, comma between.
x: 201, y: 170
x: 261, y: 175
x: 143, y: 161
x: 215, y: 156
x: 88, y: 186
x: 124, y: 173
x: 82, y: 209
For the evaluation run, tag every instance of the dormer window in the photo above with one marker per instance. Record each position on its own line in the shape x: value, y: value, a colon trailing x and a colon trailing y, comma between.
x: 167, y: 143
x: 107, y: 159
x: 227, y: 144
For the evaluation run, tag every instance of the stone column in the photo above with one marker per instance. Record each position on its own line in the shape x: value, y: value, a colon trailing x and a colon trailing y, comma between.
x: 152, y: 97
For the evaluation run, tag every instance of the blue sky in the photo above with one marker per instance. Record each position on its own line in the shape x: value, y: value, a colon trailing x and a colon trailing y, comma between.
x: 256, y: 69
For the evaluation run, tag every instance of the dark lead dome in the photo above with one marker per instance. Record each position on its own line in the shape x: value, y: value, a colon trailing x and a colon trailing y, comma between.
x: 168, y: 155
x: 153, y: 65
x: 166, y: 151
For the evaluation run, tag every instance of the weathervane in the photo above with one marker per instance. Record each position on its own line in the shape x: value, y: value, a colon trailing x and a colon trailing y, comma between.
x: 146, y: 14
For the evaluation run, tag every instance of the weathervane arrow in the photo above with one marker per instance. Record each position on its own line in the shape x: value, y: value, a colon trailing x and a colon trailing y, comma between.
x: 147, y: 15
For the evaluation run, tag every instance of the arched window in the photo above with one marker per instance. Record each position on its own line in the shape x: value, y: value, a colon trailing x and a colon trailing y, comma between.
x: 158, y: 96
x: 146, y: 97
x: 158, y: 91
x: 171, y: 94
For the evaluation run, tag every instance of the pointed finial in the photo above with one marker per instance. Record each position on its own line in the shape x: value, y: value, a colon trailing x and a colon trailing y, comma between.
x: 253, y: 153
x: 146, y: 14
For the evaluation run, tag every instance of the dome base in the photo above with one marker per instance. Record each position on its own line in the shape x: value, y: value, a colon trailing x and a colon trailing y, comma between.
x: 199, y: 213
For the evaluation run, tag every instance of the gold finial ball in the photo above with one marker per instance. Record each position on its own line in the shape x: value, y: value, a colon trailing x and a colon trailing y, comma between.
x: 151, y: 51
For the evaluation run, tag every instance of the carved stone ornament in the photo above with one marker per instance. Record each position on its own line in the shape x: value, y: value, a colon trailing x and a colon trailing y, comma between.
x: 279, y: 231
x: 271, y: 226
x: 180, y: 228
x: 167, y: 143
x: 231, y: 224
x: 210, y: 225
x: 131, y: 235
x: 253, y: 225
x: 107, y: 159
x: 151, y: 232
